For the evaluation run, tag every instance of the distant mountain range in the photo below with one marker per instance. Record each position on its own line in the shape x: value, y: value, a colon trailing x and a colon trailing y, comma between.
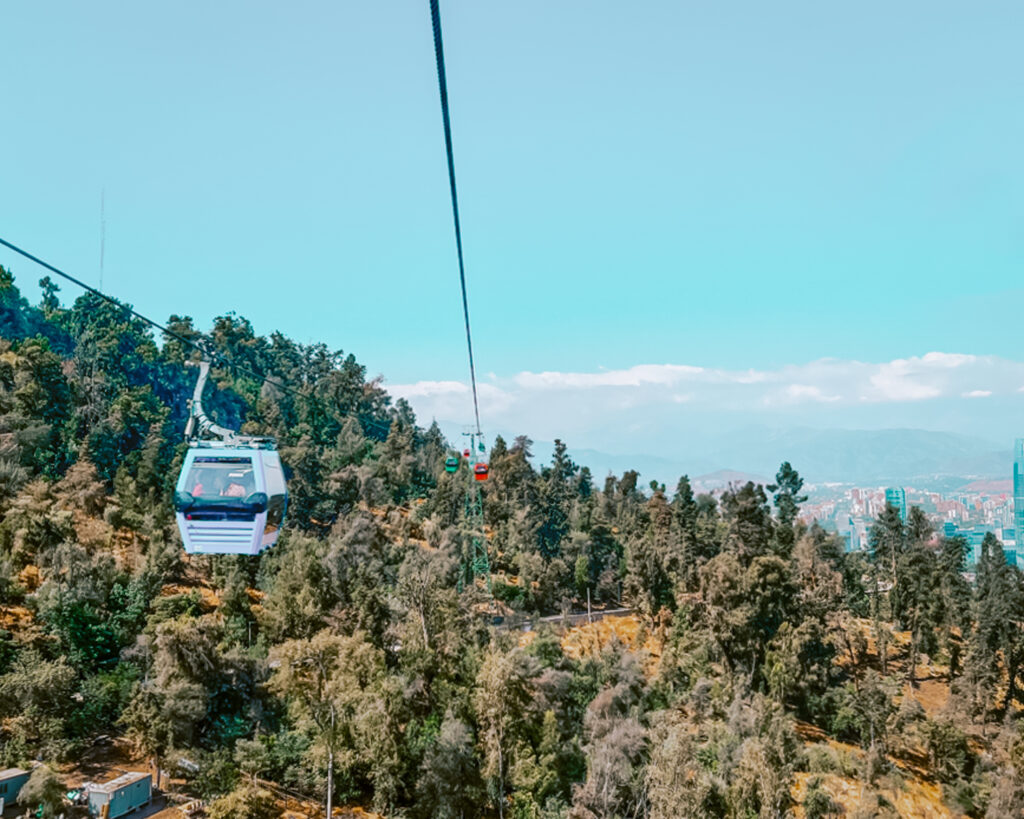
x: 871, y: 456
x: 940, y: 461
x: 722, y: 479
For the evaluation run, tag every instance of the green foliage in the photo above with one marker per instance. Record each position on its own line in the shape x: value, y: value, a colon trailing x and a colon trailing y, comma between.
x: 246, y: 802
x: 104, y: 698
x: 449, y: 783
x: 43, y: 789
x: 218, y: 773
x: 333, y: 685
x: 818, y: 804
x: 949, y: 755
x: 865, y: 710
x: 787, y: 487
x: 36, y: 695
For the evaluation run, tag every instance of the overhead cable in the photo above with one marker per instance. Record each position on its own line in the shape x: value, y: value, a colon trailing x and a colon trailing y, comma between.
x: 442, y: 82
x: 202, y: 349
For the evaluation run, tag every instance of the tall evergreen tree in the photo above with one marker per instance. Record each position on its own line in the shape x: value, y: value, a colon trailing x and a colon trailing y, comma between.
x: 786, y: 489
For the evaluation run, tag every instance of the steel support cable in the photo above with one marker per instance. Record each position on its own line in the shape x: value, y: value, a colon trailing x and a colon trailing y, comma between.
x: 442, y: 82
x: 219, y: 359
x: 99, y: 293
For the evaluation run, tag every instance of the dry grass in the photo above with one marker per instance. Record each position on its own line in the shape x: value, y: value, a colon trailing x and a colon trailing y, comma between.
x: 311, y: 811
x: 93, y: 533
x: 911, y: 791
x: 933, y: 694
x: 13, y: 618
x: 101, y: 763
x: 31, y: 578
x: 915, y: 798
x: 355, y: 813
x: 590, y: 639
x: 208, y: 596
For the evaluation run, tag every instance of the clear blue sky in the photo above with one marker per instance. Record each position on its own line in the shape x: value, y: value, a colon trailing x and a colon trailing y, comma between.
x: 726, y: 184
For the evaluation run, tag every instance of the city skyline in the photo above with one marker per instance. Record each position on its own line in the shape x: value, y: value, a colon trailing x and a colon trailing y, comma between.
x: 966, y: 513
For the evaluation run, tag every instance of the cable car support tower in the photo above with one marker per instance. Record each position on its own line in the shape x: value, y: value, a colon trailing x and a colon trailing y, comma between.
x: 478, y: 564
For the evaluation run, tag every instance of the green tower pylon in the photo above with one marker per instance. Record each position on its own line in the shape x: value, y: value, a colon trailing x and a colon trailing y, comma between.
x: 477, y: 563
x: 480, y: 563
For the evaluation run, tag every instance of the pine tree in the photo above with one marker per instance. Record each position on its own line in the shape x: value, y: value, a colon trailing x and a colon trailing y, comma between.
x: 786, y: 489
x: 751, y: 531
x: 554, y: 502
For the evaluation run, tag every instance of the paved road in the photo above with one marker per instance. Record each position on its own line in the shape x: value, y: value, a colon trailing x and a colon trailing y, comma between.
x: 159, y: 805
x: 574, y: 619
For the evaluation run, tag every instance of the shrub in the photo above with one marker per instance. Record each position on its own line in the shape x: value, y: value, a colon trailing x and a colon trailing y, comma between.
x: 950, y: 757
x: 818, y: 803
x: 245, y: 802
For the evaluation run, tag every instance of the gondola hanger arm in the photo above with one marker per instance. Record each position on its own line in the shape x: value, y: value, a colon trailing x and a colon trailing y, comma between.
x: 199, y: 423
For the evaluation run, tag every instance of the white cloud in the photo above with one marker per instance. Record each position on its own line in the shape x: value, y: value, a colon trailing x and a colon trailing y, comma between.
x: 799, y: 392
x: 449, y: 399
x: 425, y: 389
x: 607, y: 403
x: 642, y: 374
x: 948, y: 360
x: 898, y: 381
x: 929, y: 376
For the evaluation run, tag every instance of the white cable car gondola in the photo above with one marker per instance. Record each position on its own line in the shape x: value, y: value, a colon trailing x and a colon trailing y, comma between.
x: 231, y: 495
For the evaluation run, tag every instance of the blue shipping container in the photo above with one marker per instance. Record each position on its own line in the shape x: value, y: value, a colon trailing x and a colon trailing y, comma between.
x: 120, y: 796
x: 11, y: 781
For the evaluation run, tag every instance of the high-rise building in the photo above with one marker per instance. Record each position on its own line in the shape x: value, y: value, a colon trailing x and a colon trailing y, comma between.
x: 897, y: 498
x: 1018, y: 485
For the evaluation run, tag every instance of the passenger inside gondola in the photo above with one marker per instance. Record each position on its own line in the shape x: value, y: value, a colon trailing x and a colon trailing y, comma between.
x: 211, y: 480
x: 239, y: 486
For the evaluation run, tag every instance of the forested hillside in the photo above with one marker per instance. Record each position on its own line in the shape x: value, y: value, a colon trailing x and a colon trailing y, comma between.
x: 766, y: 674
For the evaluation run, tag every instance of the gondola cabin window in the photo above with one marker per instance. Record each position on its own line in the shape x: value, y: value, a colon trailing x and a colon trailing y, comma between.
x: 213, y: 478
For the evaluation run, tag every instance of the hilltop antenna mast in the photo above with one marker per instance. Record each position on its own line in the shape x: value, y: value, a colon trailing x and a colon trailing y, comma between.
x: 103, y: 230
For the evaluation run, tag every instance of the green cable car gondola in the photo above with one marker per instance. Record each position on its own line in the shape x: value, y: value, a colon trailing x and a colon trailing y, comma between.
x: 451, y: 464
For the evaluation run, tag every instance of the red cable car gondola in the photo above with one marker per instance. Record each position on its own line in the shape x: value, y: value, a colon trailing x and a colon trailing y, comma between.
x: 480, y: 472
x: 465, y: 453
